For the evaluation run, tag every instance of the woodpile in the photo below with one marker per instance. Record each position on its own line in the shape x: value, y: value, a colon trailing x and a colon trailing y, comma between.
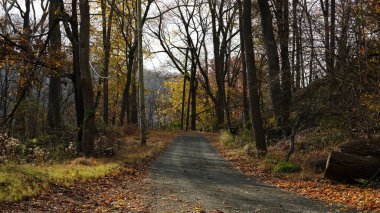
x: 356, y: 160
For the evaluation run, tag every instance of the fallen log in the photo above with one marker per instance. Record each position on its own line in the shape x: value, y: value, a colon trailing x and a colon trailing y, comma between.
x: 344, y: 166
x: 362, y: 148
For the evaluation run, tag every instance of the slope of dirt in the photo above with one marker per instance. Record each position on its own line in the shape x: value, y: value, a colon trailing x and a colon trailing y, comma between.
x: 192, y: 177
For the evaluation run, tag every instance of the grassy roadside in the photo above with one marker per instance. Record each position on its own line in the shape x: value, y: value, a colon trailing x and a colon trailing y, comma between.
x: 304, y: 182
x: 18, y: 181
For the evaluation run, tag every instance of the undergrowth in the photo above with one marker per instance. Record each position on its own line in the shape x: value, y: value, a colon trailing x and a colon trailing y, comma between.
x: 286, y: 167
x: 20, y: 180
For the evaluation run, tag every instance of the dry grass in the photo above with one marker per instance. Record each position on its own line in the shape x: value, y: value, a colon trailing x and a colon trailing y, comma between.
x: 18, y: 181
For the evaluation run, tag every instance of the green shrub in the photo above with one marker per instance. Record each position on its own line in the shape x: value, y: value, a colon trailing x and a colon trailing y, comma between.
x: 246, y: 136
x: 286, y: 167
x: 270, y: 161
x: 227, y: 139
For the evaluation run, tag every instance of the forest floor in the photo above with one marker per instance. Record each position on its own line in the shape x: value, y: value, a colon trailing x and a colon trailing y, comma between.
x: 305, y: 183
x: 191, y: 176
x: 120, y: 190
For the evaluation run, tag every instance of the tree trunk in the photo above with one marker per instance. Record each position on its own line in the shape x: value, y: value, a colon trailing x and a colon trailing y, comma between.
x: 218, y: 62
x: 292, y: 146
x: 106, y: 28
x: 188, y: 109
x: 331, y: 61
x: 4, y: 93
x: 343, y: 166
x: 311, y: 35
x: 133, y: 112
x: 184, y: 90
x: 272, y: 55
x: 54, y: 108
x: 130, y: 58
x: 362, y: 148
x: 244, y: 70
x: 193, y: 92
x: 141, y: 77
x: 325, y: 11
x: 286, y: 76
x: 254, y: 99
x: 78, y: 93
x: 342, y: 48
x: 73, y: 35
x: 87, y: 87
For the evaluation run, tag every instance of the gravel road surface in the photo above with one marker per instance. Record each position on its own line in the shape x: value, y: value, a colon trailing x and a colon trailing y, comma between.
x: 191, y: 176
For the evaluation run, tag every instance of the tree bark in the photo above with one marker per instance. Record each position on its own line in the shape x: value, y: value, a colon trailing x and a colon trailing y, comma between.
x: 78, y: 93
x: 362, y: 148
x: 193, y: 92
x: 272, y: 55
x: 244, y: 68
x: 331, y: 58
x: 132, y: 111
x: 219, y: 51
x: 106, y: 29
x: 325, y: 11
x: 141, y: 77
x: 184, y: 90
x: 130, y: 58
x: 254, y: 99
x: 73, y: 36
x: 54, y: 108
x: 87, y: 87
x: 286, y: 76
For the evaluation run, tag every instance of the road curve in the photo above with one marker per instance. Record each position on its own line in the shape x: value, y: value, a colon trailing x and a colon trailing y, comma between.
x: 192, y: 177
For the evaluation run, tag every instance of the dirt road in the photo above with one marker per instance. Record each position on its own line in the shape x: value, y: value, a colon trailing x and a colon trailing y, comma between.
x: 192, y: 177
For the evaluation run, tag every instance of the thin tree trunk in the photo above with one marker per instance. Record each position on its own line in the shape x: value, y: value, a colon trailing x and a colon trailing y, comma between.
x: 141, y: 77
x: 4, y: 93
x: 325, y: 11
x: 133, y: 111
x: 301, y: 53
x: 311, y: 34
x: 294, y: 40
x: 184, y: 90
x: 188, y: 109
x: 244, y: 69
x: 193, y: 89
x: 79, y: 106
x: 252, y: 79
x: 297, y: 67
x: 332, y: 38
x: 106, y: 28
x: 131, y: 57
x: 218, y: 61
